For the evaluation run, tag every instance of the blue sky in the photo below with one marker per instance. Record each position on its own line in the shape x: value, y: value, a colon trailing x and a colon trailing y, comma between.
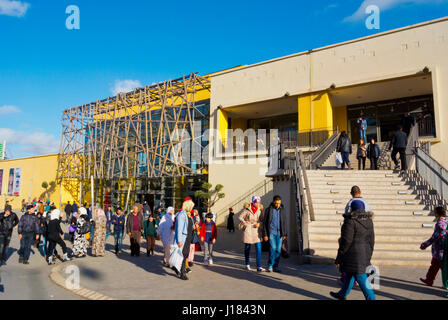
x: 46, y: 68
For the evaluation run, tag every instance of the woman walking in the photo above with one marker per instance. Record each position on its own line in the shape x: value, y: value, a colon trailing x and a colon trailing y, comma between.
x: 99, y: 238
x: 251, y: 224
x: 356, y: 247
x: 166, y: 232
x: 82, y: 228
x: 195, y: 239
x: 150, y: 234
x: 437, y: 242
x: 54, y: 234
x: 361, y: 155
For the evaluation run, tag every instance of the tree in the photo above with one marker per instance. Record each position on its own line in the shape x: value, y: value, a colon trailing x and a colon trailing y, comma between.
x: 210, y: 196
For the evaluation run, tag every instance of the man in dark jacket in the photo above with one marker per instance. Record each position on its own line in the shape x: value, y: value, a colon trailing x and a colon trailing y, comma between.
x: 373, y: 153
x: 344, y: 146
x: 356, y: 246
x: 28, y: 229
x: 275, y: 230
x: 399, y: 142
x: 68, y: 212
x: 8, y: 220
x: 407, y: 122
x: 118, y: 221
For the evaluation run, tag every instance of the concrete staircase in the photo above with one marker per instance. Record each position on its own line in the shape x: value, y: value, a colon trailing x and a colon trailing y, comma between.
x: 401, y: 220
x: 384, y: 162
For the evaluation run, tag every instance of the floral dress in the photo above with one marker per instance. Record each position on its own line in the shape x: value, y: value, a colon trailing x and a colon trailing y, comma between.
x: 99, y: 237
x: 80, y: 243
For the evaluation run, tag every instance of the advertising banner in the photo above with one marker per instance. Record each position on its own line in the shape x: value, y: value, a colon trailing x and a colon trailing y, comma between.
x: 11, y: 182
x: 1, y: 181
x: 17, y: 179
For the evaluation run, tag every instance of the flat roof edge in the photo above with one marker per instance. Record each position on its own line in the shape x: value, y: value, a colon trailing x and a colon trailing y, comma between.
x: 377, y: 35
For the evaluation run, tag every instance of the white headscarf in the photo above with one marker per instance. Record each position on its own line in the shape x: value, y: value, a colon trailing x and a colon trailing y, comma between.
x: 82, y: 211
x: 55, y: 214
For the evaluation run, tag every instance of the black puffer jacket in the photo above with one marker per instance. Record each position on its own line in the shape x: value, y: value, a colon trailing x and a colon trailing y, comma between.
x: 8, y: 223
x: 356, y: 242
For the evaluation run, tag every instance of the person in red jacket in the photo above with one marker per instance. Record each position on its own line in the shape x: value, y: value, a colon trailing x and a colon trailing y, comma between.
x: 209, y: 233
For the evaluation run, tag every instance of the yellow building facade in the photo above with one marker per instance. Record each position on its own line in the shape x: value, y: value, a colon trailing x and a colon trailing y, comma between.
x: 33, y: 172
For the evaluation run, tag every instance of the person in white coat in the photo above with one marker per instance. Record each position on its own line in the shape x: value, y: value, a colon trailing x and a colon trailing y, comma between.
x: 166, y: 232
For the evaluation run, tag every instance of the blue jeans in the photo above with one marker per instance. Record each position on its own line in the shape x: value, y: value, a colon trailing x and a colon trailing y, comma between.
x: 345, y: 159
x: 363, y: 282
x: 44, y: 245
x: 258, y: 253
x: 118, y: 240
x: 275, y: 250
x: 108, y: 232
x: 25, y: 245
x: 92, y: 231
x: 363, y: 135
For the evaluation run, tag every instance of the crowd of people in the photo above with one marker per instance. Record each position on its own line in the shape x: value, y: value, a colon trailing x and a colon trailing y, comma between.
x: 186, y: 232
x: 397, y: 146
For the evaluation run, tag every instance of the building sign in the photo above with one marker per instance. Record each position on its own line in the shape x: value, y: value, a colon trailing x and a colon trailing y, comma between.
x: 11, y: 182
x: 17, y: 178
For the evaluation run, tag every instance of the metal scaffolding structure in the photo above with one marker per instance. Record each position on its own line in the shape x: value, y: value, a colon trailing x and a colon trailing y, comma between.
x: 136, y: 134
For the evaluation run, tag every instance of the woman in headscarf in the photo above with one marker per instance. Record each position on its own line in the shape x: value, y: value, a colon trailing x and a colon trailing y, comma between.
x: 251, y: 224
x: 99, y: 237
x: 166, y: 232
x: 82, y: 228
x: 183, y: 233
x: 54, y: 234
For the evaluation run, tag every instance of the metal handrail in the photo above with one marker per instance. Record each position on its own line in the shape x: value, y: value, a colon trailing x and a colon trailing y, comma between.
x: 306, y: 186
x: 432, y: 172
x: 324, y: 151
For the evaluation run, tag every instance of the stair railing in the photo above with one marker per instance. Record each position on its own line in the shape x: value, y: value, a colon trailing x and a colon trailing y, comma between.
x: 324, y: 151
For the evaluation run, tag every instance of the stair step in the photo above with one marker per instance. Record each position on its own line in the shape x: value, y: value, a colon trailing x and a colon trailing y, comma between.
x: 415, y: 254
x: 371, y: 202
x: 409, y: 246
x: 405, y: 262
x: 346, y: 197
x: 378, y: 218
x: 401, y: 212
x: 378, y: 231
x: 359, y: 179
x: 378, y: 237
x: 377, y: 224
x: 374, y: 207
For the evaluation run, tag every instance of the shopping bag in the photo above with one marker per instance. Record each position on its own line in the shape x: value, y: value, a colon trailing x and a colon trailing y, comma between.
x: 338, y: 159
x: 176, y: 257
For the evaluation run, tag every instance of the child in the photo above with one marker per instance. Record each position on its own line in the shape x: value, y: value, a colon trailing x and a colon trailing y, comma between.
x: 209, y: 234
x: 150, y: 234
x: 437, y: 242
x: 72, y: 228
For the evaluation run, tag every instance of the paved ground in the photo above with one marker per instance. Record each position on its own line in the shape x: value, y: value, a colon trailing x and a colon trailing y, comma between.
x: 126, y: 277
x: 29, y: 282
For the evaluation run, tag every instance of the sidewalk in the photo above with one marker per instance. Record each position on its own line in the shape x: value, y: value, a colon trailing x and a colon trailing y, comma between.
x: 126, y: 277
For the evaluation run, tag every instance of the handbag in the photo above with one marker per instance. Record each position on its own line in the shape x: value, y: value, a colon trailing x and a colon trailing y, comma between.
x: 285, y: 249
x: 71, y: 229
x: 176, y: 257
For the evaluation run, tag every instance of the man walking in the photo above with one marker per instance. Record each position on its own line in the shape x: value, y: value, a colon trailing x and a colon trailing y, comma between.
x: 68, y: 212
x: 399, y: 142
x: 28, y: 229
x: 118, y: 220
x: 8, y: 220
x: 362, y: 129
x: 275, y: 231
